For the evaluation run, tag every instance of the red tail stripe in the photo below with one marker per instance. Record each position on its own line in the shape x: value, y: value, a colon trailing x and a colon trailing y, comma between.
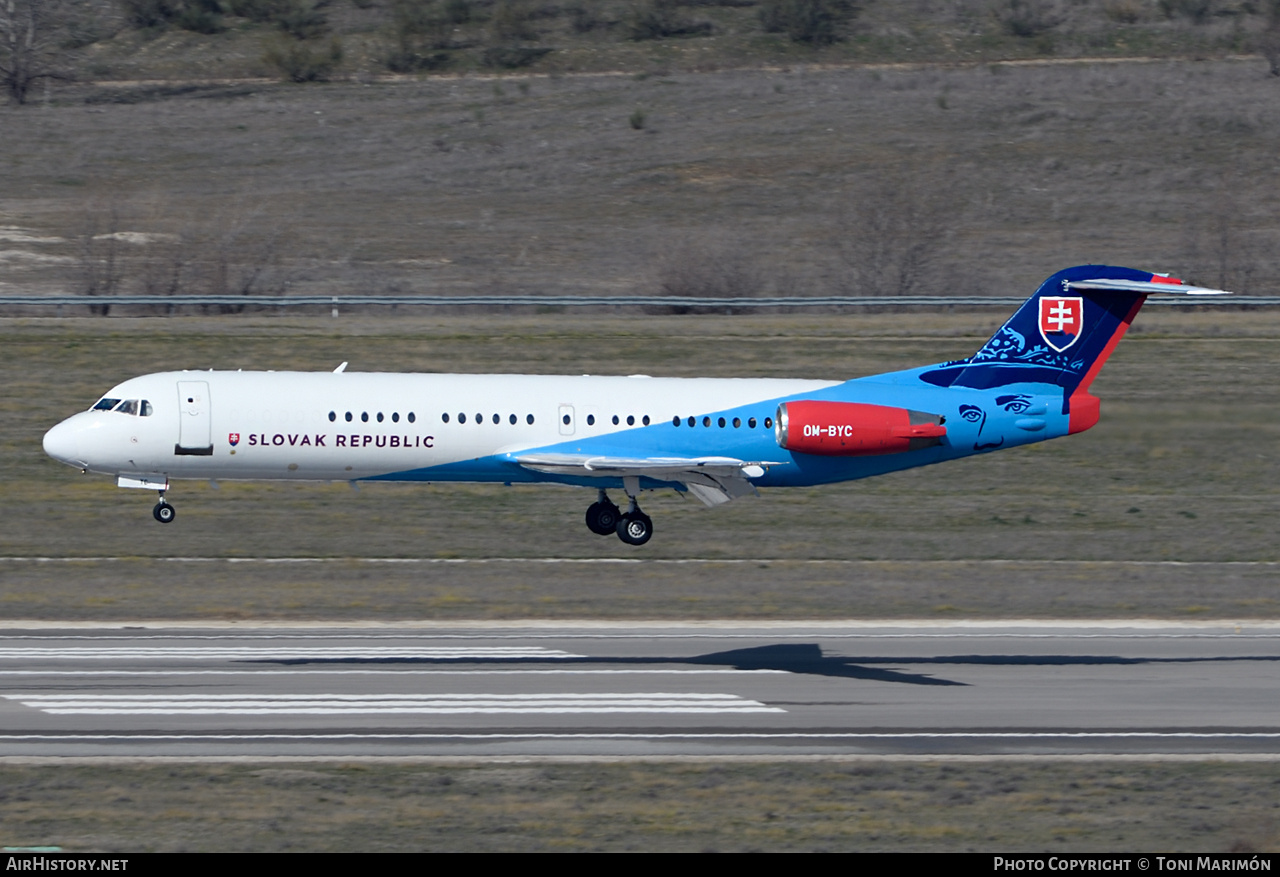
x: 1098, y: 363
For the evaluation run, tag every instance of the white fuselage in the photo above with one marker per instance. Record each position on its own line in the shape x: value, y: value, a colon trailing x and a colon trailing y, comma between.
x: 329, y: 426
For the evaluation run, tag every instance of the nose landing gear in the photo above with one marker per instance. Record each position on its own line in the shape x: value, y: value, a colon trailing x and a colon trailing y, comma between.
x: 163, y: 512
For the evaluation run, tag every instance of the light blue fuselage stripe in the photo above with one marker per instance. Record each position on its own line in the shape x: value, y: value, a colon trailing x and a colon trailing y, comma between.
x: 976, y: 422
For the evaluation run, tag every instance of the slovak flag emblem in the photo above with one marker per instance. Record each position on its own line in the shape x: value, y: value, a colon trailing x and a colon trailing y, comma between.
x: 1061, y: 321
x: 234, y: 439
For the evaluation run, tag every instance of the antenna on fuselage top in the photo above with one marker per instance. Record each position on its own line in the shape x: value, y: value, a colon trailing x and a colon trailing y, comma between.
x: 340, y: 369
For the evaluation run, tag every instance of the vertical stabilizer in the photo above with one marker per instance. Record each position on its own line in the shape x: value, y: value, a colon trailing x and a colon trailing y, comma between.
x: 1063, y: 335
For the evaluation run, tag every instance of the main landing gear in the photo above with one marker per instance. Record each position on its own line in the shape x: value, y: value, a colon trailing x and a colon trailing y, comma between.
x: 634, y: 527
x: 603, y: 516
x: 163, y: 512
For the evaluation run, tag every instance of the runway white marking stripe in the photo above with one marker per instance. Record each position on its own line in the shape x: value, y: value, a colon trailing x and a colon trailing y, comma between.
x: 355, y: 698
x: 283, y: 653
x: 331, y: 704
x: 1058, y: 629
x: 614, y: 561
x: 781, y: 735
x: 477, y: 709
x: 397, y: 671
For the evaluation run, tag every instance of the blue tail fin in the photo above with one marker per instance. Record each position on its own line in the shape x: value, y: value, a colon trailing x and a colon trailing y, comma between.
x: 1062, y: 335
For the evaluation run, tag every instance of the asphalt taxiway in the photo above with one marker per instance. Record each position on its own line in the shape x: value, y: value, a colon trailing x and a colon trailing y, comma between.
x: 647, y: 690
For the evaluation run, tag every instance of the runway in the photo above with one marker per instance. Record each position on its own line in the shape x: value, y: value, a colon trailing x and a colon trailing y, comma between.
x: 613, y: 690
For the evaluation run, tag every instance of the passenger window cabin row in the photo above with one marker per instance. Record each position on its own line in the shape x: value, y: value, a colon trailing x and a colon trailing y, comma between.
x: 380, y: 417
x: 479, y: 418
x: 142, y: 408
x: 722, y: 422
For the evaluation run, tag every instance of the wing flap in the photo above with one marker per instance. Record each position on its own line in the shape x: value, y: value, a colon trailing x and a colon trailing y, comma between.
x: 713, y: 480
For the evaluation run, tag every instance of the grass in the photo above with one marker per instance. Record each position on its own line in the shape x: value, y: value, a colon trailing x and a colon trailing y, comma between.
x: 1018, y: 806
x: 1152, y: 510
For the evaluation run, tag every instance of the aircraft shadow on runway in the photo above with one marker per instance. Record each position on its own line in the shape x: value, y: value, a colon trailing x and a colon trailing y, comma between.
x: 802, y: 658
x: 809, y: 659
x: 805, y: 658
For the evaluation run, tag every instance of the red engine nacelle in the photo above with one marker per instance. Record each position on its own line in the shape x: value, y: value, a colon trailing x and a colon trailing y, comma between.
x: 852, y: 429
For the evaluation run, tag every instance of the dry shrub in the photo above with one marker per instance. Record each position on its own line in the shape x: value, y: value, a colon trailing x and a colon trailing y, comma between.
x: 715, y: 265
x: 892, y: 231
x: 585, y: 17
x: 98, y: 256
x: 421, y: 32
x: 302, y: 19
x: 200, y: 16
x: 127, y: 246
x: 662, y: 19
x: 1124, y: 11
x: 301, y: 61
x: 815, y: 22
x: 1226, y: 242
x: 1028, y: 18
x: 512, y: 21
x: 1196, y: 11
x: 1268, y: 45
x: 33, y: 36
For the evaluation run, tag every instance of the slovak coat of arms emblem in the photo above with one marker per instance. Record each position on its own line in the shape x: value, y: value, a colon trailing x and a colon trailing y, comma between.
x: 1061, y: 321
x: 234, y: 439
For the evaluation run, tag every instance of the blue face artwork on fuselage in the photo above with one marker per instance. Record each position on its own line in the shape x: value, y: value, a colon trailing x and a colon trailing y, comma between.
x: 1013, y: 404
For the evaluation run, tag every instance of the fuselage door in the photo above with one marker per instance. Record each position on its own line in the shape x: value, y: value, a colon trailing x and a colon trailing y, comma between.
x: 566, y: 420
x: 195, y: 434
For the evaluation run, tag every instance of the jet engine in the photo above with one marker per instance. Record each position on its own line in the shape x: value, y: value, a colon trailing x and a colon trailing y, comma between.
x: 854, y: 429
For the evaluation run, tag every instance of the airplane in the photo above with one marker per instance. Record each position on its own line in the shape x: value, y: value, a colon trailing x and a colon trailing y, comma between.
x: 717, y: 439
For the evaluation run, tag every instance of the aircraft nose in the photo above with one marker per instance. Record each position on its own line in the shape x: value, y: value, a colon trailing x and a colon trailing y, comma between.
x: 62, y: 443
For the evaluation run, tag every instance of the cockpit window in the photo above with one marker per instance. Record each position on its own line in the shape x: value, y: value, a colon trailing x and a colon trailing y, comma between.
x: 136, y: 407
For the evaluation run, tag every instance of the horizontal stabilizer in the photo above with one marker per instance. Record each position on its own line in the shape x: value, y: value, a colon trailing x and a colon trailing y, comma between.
x: 1146, y: 287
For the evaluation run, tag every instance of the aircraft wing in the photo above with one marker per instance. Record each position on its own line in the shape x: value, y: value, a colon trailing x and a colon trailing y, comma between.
x: 714, y: 480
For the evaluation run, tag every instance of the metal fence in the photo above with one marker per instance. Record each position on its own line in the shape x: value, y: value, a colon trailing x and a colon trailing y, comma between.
x: 666, y: 302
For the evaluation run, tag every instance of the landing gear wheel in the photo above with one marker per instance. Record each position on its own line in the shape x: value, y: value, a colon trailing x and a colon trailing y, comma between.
x: 163, y: 512
x: 602, y: 518
x: 635, y: 528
